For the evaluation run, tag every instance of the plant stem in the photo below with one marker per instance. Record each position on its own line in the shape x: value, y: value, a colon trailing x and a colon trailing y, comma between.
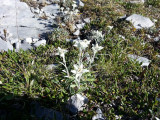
x: 64, y: 61
x: 92, y: 59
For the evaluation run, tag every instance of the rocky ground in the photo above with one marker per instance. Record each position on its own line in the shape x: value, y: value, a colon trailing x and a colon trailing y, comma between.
x: 129, y: 34
x: 23, y: 26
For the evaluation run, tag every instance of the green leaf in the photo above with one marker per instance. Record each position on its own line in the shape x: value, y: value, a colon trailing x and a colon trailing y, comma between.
x: 73, y: 85
x: 90, y: 79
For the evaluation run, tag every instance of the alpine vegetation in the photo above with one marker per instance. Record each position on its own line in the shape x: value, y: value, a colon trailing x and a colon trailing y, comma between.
x: 81, y: 67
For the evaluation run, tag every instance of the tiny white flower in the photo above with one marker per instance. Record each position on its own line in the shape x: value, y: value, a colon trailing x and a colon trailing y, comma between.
x: 1, y: 83
x: 61, y: 52
x: 83, y: 44
x: 96, y: 48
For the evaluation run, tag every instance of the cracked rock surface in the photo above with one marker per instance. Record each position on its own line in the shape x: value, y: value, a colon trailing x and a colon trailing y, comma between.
x: 18, y: 19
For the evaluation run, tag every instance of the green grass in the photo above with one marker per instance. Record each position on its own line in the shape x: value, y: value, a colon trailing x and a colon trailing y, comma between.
x: 121, y: 87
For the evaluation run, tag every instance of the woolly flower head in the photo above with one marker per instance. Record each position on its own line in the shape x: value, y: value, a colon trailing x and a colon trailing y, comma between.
x: 79, y: 70
x: 82, y: 44
x: 97, y: 36
x: 61, y: 52
x: 74, y: 5
x: 96, y: 48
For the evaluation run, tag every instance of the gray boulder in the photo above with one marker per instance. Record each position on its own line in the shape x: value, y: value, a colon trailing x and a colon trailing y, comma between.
x: 79, y: 3
x: 25, y: 46
x: 5, y: 45
x: 41, y: 42
x: 142, y: 60
x: 139, y: 21
x: 76, y: 103
x: 47, y: 113
x: 17, y: 17
x: 137, y: 1
x: 51, y: 66
x: 99, y: 115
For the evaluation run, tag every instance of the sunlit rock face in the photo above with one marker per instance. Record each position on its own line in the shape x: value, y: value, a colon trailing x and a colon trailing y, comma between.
x: 139, y: 21
x: 22, y: 22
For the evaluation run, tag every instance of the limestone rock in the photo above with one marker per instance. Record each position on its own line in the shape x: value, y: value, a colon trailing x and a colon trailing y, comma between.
x: 16, y: 17
x: 77, y: 32
x: 99, y: 115
x: 80, y: 26
x: 76, y: 102
x: 13, y: 40
x: 51, y: 66
x: 79, y: 3
x: 87, y: 20
x: 5, y: 45
x: 28, y: 40
x: 47, y: 114
x: 34, y: 40
x: 17, y: 45
x: 137, y: 1
x: 25, y: 46
x: 41, y: 42
x: 51, y: 9
x: 144, y: 61
x: 139, y: 21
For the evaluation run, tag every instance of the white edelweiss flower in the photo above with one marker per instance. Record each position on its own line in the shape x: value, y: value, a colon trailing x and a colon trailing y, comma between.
x: 71, y: 13
x: 76, y: 11
x: 83, y: 44
x: 66, y: 12
x: 97, y: 35
x: 1, y: 83
x: 61, y: 52
x: 74, y: 6
x: 79, y: 70
x: 110, y: 27
x: 96, y: 48
x: 62, y: 8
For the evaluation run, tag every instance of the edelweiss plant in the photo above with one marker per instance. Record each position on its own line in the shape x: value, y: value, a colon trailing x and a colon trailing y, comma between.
x: 97, y: 36
x: 70, y: 12
x: 95, y: 49
x: 79, y: 68
x: 61, y: 52
x: 78, y: 72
